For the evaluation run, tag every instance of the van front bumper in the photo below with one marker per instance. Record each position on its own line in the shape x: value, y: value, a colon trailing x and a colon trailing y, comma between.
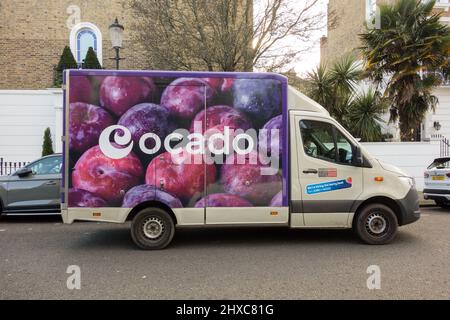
x: 409, y: 208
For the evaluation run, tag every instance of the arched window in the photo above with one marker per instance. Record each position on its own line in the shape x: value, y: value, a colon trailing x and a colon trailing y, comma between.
x: 85, y: 39
x: 83, y: 36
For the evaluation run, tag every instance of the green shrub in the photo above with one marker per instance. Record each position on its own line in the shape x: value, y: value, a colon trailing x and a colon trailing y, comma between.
x: 91, y: 61
x: 67, y: 61
x: 47, y: 145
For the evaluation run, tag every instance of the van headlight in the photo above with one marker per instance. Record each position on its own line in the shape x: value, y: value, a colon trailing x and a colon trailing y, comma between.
x: 409, y: 180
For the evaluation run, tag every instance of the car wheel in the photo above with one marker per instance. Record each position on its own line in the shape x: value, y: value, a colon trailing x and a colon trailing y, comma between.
x: 376, y: 224
x: 152, y: 229
x: 442, y: 203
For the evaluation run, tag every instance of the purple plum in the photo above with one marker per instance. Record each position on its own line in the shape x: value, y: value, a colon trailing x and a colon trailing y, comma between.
x: 223, y: 200
x: 107, y: 178
x: 118, y: 94
x: 218, y: 117
x: 79, y: 198
x: 277, y: 201
x: 220, y: 85
x: 260, y: 99
x: 80, y: 90
x: 184, y: 179
x: 185, y: 97
x: 145, y: 192
x: 247, y: 181
x: 147, y: 118
x: 86, y: 124
x: 266, y: 143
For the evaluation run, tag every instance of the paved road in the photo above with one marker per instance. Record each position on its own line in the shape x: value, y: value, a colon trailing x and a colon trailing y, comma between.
x: 222, y: 263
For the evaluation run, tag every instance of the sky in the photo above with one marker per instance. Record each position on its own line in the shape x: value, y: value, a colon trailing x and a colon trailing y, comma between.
x: 311, y: 59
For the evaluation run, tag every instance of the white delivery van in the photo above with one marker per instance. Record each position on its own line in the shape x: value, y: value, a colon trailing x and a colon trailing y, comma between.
x: 190, y: 149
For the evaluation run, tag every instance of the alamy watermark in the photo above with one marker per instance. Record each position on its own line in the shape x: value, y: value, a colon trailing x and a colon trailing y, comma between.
x: 74, y: 280
x: 74, y: 18
x: 374, y: 280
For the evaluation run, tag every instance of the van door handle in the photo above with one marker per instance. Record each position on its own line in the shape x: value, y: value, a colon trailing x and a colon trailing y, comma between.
x: 311, y: 171
x: 51, y: 183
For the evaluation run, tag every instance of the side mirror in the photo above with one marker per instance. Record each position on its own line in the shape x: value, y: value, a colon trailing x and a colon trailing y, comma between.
x: 24, y: 172
x: 358, y: 159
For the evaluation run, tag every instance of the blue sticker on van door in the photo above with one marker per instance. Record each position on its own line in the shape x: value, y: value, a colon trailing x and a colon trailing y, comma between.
x: 329, y: 186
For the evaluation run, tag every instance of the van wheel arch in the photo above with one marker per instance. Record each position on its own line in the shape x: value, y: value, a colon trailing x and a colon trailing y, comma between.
x: 381, y: 200
x: 151, y: 204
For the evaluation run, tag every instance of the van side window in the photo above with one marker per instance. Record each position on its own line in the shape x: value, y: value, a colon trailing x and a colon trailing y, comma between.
x: 318, y: 140
x: 323, y: 141
x: 345, y: 149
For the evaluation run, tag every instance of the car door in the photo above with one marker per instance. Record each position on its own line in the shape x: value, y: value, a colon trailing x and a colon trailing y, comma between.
x: 38, y: 191
x: 329, y: 181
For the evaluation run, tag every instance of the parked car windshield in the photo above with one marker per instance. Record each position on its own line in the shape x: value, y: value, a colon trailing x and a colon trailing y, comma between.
x: 440, y: 164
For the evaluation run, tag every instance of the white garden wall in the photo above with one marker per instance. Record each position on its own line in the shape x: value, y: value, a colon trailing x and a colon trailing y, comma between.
x: 412, y: 157
x: 24, y: 116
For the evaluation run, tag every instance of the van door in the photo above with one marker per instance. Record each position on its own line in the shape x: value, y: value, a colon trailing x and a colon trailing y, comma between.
x: 329, y: 181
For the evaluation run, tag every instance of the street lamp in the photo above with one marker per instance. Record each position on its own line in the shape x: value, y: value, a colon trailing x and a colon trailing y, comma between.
x: 116, y: 33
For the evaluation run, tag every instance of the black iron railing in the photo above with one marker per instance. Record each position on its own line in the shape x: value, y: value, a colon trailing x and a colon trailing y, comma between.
x: 445, y: 147
x: 10, y: 167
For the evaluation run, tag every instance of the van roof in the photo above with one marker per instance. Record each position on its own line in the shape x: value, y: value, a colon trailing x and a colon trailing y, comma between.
x: 299, y: 101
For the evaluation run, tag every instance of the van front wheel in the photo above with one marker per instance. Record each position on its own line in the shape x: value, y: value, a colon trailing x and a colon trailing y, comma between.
x: 152, y: 229
x: 376, y: 224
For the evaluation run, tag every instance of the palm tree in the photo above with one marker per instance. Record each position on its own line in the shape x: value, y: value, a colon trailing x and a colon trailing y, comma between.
x: 337, y: 90
x: 364, y: 116
x: 405, y: 55
x: 333, y: 88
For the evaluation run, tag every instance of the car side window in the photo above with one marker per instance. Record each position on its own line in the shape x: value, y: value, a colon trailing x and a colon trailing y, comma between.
x: 318, y: 140
x: 51, y: 165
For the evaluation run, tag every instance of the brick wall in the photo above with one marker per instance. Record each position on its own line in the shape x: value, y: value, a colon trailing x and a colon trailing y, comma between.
x: 33, y: 34
x: 343, y: 39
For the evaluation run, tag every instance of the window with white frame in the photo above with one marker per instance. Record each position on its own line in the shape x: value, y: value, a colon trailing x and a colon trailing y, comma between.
x: 83, y: 36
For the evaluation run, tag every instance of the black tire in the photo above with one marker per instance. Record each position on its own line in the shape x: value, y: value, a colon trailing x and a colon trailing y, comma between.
x: 152, y: 229
x: 376, y: 224
x: 442, y: 203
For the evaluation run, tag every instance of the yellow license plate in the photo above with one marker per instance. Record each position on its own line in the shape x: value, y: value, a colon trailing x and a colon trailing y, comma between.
x: 438, y: 178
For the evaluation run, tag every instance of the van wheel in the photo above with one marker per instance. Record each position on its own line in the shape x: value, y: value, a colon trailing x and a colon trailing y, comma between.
x: 152, y: 229
x: 376, y: 224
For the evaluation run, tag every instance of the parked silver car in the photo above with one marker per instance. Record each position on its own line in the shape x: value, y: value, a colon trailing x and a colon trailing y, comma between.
x: 33, y: 189
x: 437, y: 182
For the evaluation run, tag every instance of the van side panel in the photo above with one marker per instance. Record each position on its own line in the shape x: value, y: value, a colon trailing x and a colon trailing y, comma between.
x: 190, y: 141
